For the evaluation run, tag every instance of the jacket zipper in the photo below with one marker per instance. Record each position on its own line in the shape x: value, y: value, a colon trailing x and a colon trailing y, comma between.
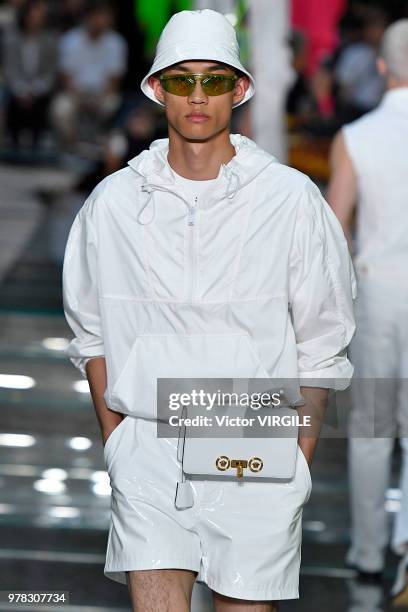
x: 192, y: 212
x: 191, y: 222
x: 191, y: 217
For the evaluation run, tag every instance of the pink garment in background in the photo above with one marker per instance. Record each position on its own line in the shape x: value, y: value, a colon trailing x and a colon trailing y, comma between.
x: 318, y: 20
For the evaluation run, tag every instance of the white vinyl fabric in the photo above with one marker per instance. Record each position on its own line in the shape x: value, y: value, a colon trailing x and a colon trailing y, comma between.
x: 261, y: 284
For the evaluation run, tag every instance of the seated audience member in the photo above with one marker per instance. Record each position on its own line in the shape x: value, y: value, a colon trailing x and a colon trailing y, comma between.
x: 359, y: 84
x: 29, y: 59
x: 92, y: 60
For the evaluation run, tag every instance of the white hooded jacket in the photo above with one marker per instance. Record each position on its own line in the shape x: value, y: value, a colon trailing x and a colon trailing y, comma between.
x: 255, y: 282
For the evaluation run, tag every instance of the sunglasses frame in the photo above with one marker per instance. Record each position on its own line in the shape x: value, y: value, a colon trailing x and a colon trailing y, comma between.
x: 198, y: 77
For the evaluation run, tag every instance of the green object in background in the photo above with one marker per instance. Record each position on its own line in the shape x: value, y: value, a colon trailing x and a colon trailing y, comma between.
x: 152, y: 16
x: 242, y: 31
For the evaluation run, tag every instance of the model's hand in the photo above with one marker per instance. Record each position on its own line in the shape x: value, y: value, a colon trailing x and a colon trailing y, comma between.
x: 308, y: 454
x: 109, y: 429
x: 105, y: 436
x: 314, y: 408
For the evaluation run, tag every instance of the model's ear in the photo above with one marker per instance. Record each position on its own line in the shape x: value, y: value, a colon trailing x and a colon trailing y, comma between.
x: 157, y: 88
x: 381, y: 66
x: 241, y: 87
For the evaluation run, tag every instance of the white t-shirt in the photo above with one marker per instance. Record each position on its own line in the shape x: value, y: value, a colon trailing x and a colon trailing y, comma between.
x: 91, y: 63
x: 195, y: 190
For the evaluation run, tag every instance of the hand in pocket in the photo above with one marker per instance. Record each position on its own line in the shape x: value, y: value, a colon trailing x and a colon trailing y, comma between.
x: 106, y: 433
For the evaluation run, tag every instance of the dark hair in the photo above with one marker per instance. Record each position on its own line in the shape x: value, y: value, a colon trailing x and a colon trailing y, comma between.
x: 373, y: 16
x: 239, y: 73
x: 98, y: 6
x: 24, y: 12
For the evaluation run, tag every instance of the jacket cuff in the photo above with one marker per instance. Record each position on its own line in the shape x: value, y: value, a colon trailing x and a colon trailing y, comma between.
x: 337, y: 377
x: 80, y: 364
x: 80, y: 356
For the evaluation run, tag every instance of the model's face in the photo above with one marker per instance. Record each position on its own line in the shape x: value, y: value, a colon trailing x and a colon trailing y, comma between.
x: 98, y: 22
x: 37, y: 16
x: 198, y: 117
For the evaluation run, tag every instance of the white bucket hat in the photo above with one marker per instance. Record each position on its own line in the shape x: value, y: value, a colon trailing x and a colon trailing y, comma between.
x: 197, y: 35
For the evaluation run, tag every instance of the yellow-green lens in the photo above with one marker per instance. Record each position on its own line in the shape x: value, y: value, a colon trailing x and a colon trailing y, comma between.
x: 216, y: 85
x: 178, y: 85
x: 184, y: 84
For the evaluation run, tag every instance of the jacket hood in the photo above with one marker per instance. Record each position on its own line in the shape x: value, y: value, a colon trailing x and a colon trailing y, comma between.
x: 157, y: 175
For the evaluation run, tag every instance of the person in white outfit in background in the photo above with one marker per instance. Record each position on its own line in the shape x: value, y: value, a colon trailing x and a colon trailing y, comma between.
x: 369, y: 161
x: 204, y: 258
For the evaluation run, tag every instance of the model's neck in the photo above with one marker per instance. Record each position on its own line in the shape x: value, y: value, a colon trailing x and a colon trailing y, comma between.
x: 199, y: 161
x: 393, y: 84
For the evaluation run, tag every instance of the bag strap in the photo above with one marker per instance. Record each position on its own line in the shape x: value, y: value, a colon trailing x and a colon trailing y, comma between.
x: 184, y: 494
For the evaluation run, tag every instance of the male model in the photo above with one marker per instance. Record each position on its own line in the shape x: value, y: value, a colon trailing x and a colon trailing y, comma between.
x: 205, y: 257
x: 370, y: 168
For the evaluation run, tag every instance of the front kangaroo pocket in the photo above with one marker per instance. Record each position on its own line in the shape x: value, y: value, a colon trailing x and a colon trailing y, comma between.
x: 181, y: 356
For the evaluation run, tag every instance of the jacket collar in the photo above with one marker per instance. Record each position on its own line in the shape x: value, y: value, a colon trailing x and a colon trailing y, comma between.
x: 152, y: 165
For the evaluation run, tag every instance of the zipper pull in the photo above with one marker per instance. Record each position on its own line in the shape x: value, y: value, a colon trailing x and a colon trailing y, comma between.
x: 192, y: 213
x: 191, y: 216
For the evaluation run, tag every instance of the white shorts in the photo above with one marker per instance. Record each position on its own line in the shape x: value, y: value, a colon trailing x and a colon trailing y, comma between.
x: 243, y: 539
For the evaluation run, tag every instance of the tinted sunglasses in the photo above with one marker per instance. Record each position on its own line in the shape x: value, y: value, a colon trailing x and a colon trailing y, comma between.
x: 184, y: 84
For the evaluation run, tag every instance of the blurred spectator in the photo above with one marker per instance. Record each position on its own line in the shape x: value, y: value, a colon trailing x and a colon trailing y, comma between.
x: 9, y: 11
x: 137, y: 133
x: 360, y: 86
x: 67, y: 14
x: 318, y: 20
x: 137, y: 126
x: 299, y: 103
x: 92, y: 60
x: 29, y: 55
x: 321, y: 85
x: 310, y: 103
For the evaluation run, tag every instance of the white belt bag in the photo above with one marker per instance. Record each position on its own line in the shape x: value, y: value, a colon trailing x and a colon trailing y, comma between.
x: 262, y: 459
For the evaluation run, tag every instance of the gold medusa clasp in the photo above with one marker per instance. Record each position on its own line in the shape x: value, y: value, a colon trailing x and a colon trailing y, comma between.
x: 222, y: 463
x: 240, y: 464
x: 255, y: 464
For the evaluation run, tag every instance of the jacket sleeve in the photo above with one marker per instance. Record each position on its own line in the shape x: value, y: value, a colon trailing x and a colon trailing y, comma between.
x: 322, y: 287
x: 80, y: 290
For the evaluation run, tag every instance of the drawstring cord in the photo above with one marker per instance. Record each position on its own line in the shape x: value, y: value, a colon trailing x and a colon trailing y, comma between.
x: 149, y: 190
x: 143, y: 216
x: 233, y: 183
